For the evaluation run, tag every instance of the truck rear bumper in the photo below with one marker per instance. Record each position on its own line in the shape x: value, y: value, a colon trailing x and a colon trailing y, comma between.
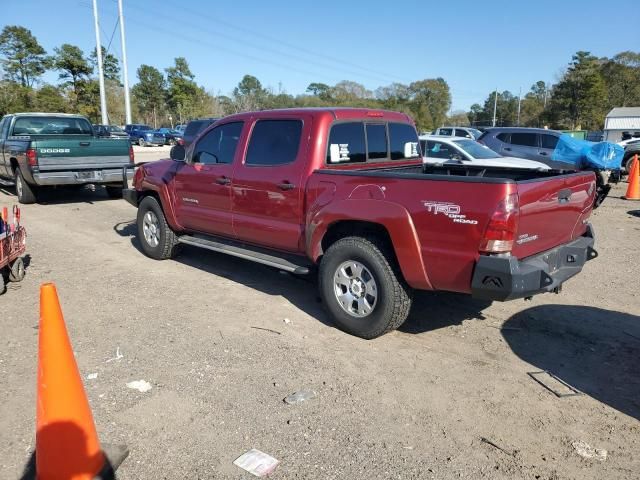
x: 111, y: 175
x: 131, y: 196
x: 507, y: 278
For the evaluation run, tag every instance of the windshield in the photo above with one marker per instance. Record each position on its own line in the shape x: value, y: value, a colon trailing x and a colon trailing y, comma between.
x: 52, y: 126
x: 114, y: 129
x: 476, y: 133
x: 143, y: 127
x: 475, y: 149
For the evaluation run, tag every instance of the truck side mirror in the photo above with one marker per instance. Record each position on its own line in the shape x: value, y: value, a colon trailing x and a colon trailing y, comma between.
x: 177, y: 153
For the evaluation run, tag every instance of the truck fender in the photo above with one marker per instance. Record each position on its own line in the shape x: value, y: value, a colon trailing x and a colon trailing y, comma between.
x: 162, y: 193
x: 393, y: 217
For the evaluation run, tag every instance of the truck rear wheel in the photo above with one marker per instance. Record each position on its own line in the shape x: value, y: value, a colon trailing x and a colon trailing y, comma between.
x: 26, y: 193
x: 156, y: 237
x: 362, y: 287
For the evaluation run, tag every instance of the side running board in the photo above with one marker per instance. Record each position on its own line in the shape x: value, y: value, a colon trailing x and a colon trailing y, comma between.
x: 288, y: 263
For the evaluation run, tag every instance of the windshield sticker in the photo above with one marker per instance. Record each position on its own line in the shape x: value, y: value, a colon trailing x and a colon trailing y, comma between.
x: 449, y: 210
x: 339, y: 152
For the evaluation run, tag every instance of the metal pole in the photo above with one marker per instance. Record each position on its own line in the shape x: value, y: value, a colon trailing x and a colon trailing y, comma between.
x: 125, y: 72
x: 495, y: 106
x: 103, y: 98
x: 519, y: 102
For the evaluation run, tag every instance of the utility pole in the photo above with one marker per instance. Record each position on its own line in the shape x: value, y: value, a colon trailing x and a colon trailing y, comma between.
x: 495, y: 106
x: 103, y: 98
x: 125, y: 71
x: 519, y: 103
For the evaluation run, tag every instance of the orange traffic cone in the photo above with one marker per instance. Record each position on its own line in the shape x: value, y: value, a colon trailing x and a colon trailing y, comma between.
x: 633, y: 190
x: 67, y: 445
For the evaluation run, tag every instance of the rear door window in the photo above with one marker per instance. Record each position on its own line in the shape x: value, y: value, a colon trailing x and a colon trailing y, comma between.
x: 549, y: 141
x: 403, y: 141
x: 524, y: 139
x: 218, y: 145
x: 376, y: 141
x: 445, y: 131
x: 503, y: 137
x: 463, y: 133
x: 274, y: 142
x: 346, y: 143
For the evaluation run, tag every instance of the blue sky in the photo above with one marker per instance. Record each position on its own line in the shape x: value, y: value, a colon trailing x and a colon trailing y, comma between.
x: 475, y: 46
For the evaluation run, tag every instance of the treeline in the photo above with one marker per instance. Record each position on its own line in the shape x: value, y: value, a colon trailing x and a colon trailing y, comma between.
x: 587, y: 90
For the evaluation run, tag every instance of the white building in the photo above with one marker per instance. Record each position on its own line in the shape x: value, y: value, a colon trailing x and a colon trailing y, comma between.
x: 619, y: 120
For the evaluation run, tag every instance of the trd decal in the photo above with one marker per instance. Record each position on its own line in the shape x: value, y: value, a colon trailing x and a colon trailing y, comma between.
x: 450, y: 210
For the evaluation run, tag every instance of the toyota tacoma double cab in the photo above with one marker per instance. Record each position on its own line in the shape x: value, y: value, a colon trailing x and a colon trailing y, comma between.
x: 344, y: 192
x: 39, y: 150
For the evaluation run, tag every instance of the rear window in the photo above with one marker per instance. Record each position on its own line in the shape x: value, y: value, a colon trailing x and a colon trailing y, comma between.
x: 52, y: 126
x: 524, y: 139
x: 274, y: 142
x: 549, y: 141
x: 376, y: 141
x: 403, y: 140
x: 445, y: 131
x: 193, y: 128
x: 346, y: 143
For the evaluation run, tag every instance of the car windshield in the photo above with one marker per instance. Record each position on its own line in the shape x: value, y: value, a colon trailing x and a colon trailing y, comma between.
x: 144, y: 127
x: 114, y: 129
x: 476, y: 133
x: 475, y: 149
x: 52, y: 126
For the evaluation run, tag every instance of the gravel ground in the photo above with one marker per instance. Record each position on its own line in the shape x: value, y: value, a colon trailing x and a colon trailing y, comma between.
x: 448, y: 396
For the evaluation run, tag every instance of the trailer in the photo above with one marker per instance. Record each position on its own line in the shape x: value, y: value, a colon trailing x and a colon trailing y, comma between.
x: 13, y: 243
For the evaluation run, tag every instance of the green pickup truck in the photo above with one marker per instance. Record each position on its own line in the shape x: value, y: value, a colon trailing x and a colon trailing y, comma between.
x: 38, y: 150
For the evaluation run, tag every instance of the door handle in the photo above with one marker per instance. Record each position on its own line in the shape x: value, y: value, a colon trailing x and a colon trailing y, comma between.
x: 544, y: 153
x: 507, y: 149
x: 286, y: 185
x: 223, y: 180
x: 85, y: 144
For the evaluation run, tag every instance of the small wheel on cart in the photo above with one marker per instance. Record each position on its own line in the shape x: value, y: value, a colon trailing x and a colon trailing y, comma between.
x: 17, y: 272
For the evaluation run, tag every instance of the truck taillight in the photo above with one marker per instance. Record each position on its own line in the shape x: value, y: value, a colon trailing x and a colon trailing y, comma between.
x: 32, y: 157
x: 132, y: 159
x: 502, y: 228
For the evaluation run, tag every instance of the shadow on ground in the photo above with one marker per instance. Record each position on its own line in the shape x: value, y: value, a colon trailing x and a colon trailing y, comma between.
x: 634, y: 213
x: 594, y: 350
x: 430, y: 311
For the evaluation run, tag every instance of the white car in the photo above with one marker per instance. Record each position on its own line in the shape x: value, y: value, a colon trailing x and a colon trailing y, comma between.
x: 438, y: 150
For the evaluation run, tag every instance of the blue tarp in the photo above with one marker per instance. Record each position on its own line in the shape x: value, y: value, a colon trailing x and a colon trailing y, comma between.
x: 584, y: 154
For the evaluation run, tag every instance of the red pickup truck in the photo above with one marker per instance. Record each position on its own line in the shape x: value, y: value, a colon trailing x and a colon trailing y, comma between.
x: 345, y: 190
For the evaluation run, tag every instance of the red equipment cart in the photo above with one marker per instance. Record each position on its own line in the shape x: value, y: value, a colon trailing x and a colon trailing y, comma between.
x: 13, y: 243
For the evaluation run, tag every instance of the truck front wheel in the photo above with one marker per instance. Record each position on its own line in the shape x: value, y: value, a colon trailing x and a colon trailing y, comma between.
x: 362, y: 287
x: 156, y: 237
x: 25, y: 192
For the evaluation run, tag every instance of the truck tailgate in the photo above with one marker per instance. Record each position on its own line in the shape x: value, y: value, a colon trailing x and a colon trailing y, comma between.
x: 553, y: 211
x: 81, y: 152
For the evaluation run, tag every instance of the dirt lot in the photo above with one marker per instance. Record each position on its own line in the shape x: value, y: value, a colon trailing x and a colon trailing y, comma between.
x: 149, y: 154
x: 416, y: 403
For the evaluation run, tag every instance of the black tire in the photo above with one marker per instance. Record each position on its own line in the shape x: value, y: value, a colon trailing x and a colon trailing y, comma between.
x: 26, y: 193
x: 3, y: 285
x: 394, y: 296
x: 17, y: 271
x: 167, y: 240
x: 114, y: 192
x: 628, y: 161
x: 141, y: 142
